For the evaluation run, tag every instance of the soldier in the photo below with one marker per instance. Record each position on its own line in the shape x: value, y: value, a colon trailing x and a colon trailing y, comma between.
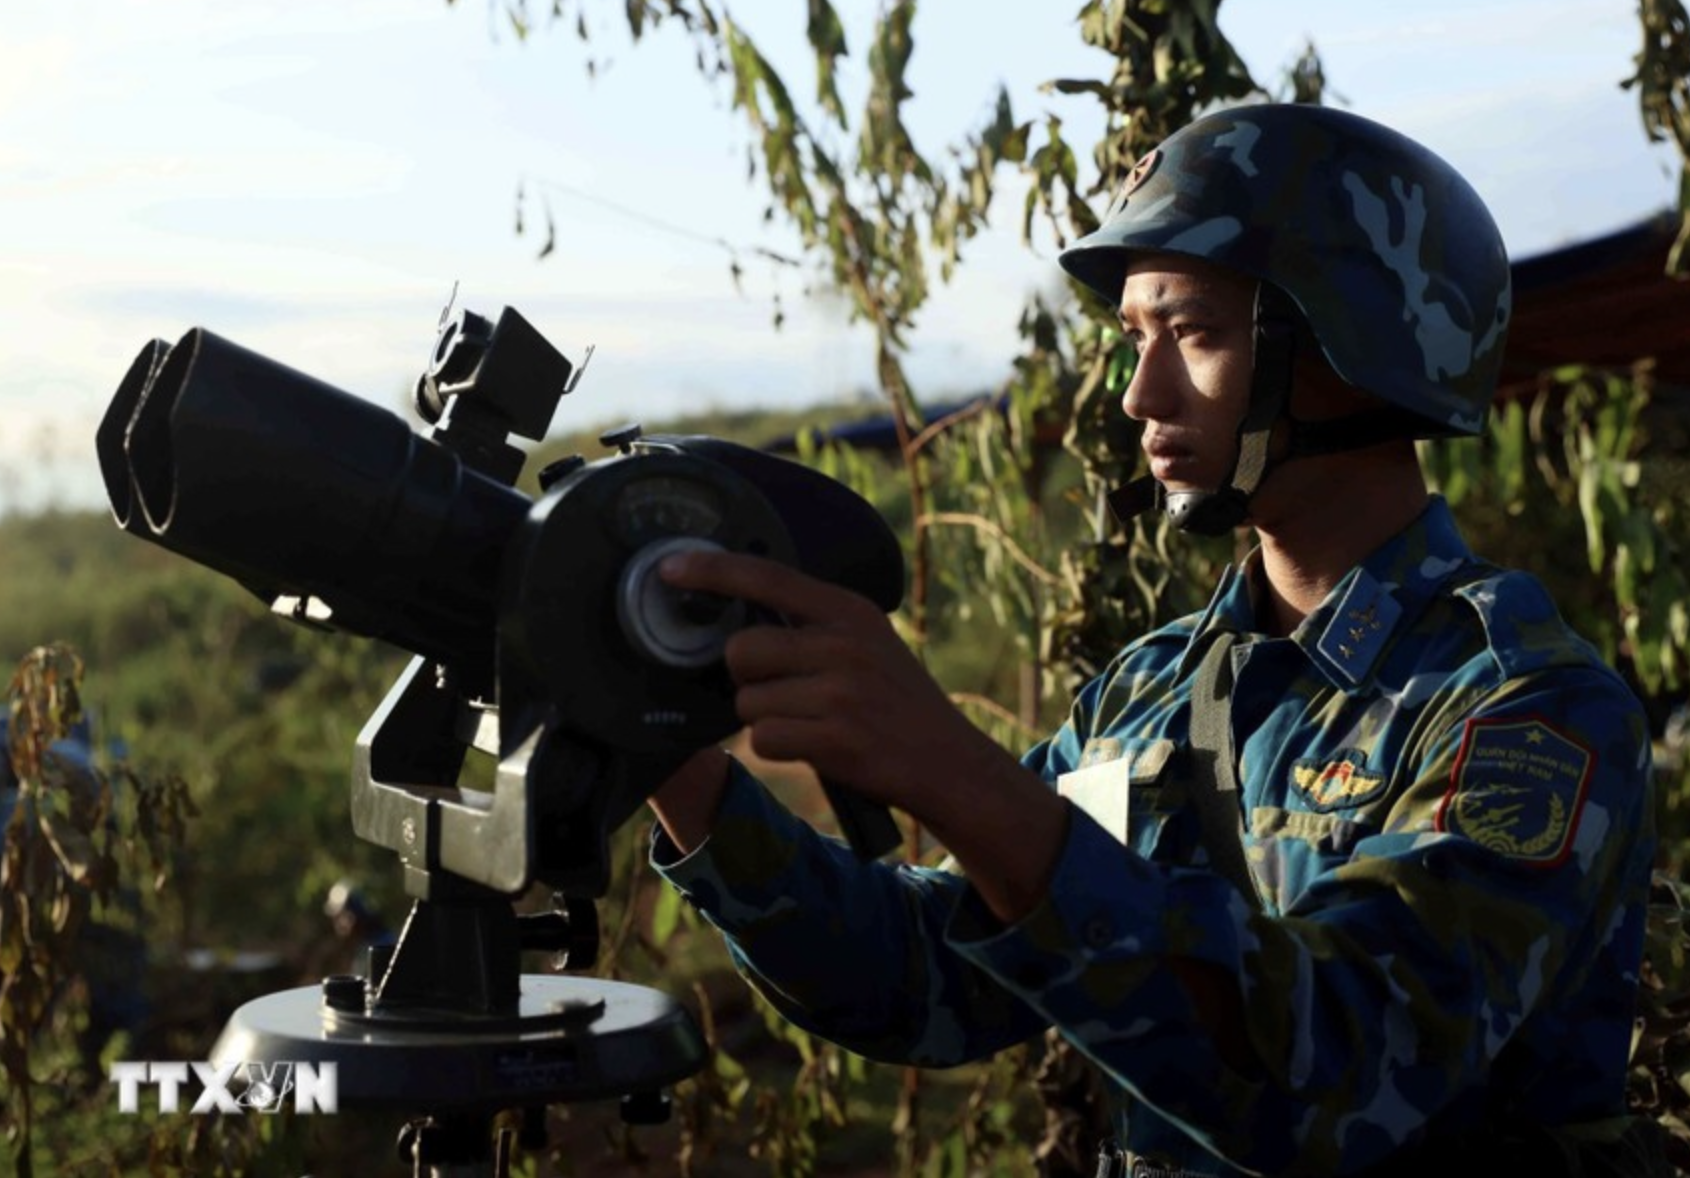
x: 1346, y: 873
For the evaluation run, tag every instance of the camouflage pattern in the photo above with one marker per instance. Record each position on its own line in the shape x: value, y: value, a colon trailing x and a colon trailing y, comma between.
x: 1450, y: 833
x: 1391, y: 256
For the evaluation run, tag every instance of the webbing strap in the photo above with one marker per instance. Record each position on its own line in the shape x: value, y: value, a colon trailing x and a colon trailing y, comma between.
x: 1213, y: 779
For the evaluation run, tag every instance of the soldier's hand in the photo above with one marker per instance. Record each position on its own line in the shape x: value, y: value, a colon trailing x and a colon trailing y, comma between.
x: 834, y: 686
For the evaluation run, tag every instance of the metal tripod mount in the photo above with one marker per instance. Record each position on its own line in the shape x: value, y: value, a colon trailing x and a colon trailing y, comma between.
x: 444, y: 1027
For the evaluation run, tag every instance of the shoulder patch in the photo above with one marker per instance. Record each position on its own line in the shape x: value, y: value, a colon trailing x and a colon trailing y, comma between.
x: 1518, y: 788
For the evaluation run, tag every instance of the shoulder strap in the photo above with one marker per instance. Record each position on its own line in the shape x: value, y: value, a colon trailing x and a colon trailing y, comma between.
x: 1213, y: 779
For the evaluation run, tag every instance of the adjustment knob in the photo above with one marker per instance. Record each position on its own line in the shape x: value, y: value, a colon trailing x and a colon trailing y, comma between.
x: 666, y: 625
x: 622, y: 437
x: 555, y: 472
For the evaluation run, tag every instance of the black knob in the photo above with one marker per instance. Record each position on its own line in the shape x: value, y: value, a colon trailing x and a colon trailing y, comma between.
x: 555, y: 472
x: 646, y: 1108
x: 622, y: 437
x: 344, y: 991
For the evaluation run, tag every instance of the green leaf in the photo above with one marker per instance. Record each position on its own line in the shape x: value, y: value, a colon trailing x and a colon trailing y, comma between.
x: 73, y: 847
x: 1625, y: 575
x: 665, y: 915
x: 1509, y: 435
x: 1590, y: 507
x: 827, y: 38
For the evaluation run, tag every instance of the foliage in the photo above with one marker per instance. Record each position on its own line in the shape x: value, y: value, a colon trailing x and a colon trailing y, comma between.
x: 193, y: 677
x: 75, y: 838
x: 1581, y: 443
x: 1660, y: 1060
x: 1663, y: 94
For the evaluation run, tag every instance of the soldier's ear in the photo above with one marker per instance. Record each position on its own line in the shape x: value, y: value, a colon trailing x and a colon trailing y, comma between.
x: 1318, y: 392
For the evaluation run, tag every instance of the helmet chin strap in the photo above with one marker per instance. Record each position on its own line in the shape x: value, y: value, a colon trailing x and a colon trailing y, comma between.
x: 1214, y: 513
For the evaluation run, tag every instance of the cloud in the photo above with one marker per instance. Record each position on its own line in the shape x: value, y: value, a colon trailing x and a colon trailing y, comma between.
x: 36, y: 64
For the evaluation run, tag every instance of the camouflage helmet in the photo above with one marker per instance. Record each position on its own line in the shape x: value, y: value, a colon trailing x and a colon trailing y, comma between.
x: 1390, y: 256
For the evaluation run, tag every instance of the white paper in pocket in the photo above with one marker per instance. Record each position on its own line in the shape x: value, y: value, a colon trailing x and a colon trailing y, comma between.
x: 1101, y: 791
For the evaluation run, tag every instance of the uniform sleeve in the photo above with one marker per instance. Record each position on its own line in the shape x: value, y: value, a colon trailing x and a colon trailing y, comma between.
x: 853, y: 952
x: 1516, y: 857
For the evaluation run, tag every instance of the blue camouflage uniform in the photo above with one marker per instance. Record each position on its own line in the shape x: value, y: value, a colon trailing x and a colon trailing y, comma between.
x: 1448, y: 817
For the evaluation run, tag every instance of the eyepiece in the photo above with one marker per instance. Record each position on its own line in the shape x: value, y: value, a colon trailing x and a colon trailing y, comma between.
x: 152, y: 458
x: 110, y: 440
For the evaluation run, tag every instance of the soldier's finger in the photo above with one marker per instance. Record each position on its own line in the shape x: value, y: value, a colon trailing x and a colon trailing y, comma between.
x: 793, y: 698
x: 795, y: 595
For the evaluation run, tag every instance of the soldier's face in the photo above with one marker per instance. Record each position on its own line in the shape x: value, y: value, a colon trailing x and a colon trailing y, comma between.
x: 1193, y: 326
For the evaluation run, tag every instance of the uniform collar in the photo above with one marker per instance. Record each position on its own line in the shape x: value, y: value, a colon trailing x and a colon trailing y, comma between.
x: 1348, y: 632
x: 1232, y: 610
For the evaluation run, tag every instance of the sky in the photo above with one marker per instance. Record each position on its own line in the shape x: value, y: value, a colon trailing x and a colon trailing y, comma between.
x: 313, y: 179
